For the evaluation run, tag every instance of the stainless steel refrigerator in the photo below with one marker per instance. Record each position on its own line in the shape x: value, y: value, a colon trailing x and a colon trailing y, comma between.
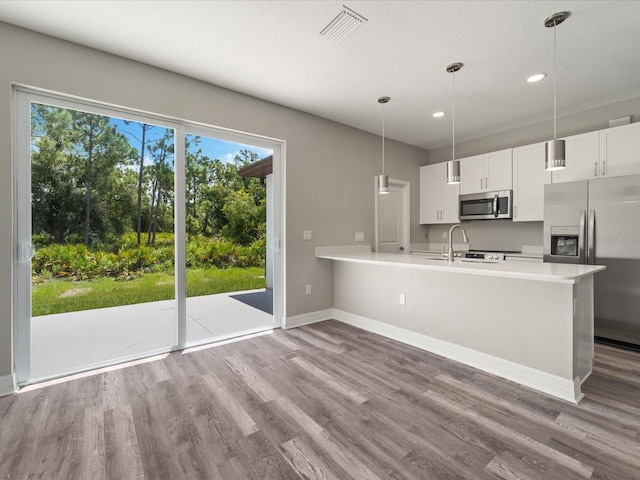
x: 598, y: 222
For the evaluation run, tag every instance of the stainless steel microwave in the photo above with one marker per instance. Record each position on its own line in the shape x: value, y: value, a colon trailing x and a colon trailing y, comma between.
x: 486, y: 206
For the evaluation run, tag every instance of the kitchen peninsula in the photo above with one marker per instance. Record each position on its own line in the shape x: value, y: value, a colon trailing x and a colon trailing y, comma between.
x: 531, y: 323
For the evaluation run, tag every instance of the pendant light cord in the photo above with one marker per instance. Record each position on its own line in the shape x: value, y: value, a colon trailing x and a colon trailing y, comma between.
x: 453, y: 115
x: 383, y: 138
x: 555, y: 75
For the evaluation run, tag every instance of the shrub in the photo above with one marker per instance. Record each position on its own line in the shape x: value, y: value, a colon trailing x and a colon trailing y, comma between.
x: 125, y: 260
x: 219, y: 252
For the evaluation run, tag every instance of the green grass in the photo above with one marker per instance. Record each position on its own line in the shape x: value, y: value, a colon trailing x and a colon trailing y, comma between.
x: 59, y: 296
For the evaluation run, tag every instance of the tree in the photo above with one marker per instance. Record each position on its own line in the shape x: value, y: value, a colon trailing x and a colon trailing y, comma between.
x: 144, y: 128
x: 197, y: 177
x: 56, y: 195
x: 246, y: 220
x: 219, y: 200
x: 161, y: 175
x: 98, y: 145
x: 75, y: 160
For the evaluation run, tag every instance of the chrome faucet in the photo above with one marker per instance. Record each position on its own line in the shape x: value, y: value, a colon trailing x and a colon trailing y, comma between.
x: 465, y: 239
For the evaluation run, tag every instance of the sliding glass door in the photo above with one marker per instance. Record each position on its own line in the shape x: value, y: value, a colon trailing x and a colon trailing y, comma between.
x: 228, y: 284
x: 134, y: 237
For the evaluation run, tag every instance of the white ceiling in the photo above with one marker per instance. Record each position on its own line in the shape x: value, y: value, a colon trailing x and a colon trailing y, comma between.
x: 273, y: 50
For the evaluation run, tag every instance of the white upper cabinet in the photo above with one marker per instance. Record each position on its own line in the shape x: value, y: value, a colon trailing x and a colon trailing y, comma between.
x: 487, y: 172
x: 472, y: 174
x: 582, y: 153
x: 499, y: 170
x: 620, y: 150
x: 429, y: 194
x: 438, y: 200
x: 529, y: 178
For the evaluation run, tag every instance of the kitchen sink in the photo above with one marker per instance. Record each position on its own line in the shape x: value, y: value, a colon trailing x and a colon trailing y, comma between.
x: 458, y: 259
x: 470, y: 260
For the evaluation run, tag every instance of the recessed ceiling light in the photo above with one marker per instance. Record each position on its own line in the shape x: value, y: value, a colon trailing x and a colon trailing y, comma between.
x: 438, y: 114
x: 536, y: 78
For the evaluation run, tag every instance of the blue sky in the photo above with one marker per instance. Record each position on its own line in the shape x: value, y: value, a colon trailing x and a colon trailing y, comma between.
x: 211, y: 147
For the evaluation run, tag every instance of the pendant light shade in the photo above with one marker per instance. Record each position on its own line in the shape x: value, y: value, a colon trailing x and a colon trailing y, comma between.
x: 554, y: 149
x: 383, y: 180
x: 554, y: 155
x: 383, y: 184
x: 453, y: 166
x: 453, y: 171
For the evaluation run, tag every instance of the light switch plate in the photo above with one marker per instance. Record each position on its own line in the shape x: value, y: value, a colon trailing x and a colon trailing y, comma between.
x: 359, y: 236
x: 307, y: 289
x: 306, y: 234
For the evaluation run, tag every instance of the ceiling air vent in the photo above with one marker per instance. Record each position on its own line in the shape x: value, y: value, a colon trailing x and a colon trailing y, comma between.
x: 344, y: 23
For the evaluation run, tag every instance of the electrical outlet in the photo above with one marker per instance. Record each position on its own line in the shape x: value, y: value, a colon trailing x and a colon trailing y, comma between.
x: 444, y: 235
x: 359, y: 236
x: 306, y: 234
x: 402, y: 299
x: 307, y: 289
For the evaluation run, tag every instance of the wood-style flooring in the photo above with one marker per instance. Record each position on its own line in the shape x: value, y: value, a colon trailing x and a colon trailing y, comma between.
x: 325, y: 401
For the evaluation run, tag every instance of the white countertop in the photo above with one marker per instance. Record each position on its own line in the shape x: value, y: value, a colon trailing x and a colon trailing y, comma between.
x: 546, y: 272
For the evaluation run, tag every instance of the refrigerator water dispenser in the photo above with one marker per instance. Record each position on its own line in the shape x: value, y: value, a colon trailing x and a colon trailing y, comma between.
x: 564, y: 241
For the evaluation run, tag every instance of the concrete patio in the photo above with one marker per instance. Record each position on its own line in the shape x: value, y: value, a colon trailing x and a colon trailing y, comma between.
x: 75, y: 341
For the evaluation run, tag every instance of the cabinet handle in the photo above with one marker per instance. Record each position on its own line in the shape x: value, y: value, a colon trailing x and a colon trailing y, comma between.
x: 480, y: 183
x: 595, y: 169
x: 486, y: 183
x: 515, y: 211
x: 604, y: 168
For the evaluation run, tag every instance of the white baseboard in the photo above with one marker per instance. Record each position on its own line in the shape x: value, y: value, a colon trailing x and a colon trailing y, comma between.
x: 545, y: 382
x: 7, y: 385
x: 307, y: 318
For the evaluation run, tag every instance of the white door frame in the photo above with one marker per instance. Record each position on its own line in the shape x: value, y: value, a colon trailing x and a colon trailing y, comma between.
x: 23, y: 96
x: 406, y: 212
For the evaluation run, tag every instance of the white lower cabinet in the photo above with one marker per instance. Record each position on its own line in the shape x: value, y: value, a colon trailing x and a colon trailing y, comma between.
x: 529, y: 178
x: 438, y: 200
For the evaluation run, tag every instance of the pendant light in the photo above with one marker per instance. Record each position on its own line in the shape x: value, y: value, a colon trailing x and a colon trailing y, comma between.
x: 383, y: 180
x: 554, y: 149
x: 453, y: 166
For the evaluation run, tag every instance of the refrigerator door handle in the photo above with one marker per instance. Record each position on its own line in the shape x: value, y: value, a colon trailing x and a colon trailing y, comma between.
x: 591, y: 238
x: 582, y: 233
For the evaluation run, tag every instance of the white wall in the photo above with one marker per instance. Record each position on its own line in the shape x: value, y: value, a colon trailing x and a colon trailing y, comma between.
x: 492, y: 234
x: 329, y: 167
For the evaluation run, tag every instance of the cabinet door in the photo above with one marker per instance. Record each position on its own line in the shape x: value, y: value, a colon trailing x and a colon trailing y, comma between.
x: 582, y: 153
x: 498, y: 169
x: 450, y: 203
x: 430, y: 193
x: 472, y: 174
x: 529, y: 178
x: 620, y: 150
